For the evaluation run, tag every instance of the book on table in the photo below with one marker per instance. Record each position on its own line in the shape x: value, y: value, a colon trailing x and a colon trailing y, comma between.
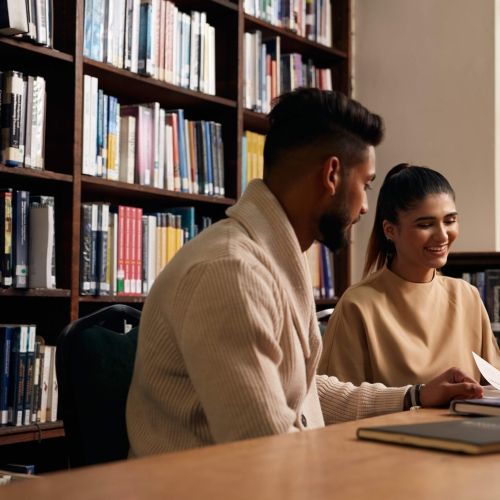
x: 482, y: 406
x: 472, y: 436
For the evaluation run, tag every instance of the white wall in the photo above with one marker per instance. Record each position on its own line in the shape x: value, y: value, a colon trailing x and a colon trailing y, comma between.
x: 428, y: 67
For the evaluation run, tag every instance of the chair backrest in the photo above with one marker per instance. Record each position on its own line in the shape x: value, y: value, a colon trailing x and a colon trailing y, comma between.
x: 94, y: 364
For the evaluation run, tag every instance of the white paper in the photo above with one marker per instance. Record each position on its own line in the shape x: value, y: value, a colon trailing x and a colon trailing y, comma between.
x: 489, y: 372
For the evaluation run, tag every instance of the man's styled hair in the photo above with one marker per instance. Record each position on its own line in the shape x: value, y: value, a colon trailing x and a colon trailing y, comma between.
x: 323, y: 122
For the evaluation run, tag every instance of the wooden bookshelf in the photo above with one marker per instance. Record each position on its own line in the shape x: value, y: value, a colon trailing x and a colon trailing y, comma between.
x: 27, y: 433
x: 64, y: 67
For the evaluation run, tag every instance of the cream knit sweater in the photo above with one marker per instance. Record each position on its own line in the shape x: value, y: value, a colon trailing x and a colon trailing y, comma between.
x: 229, y: 345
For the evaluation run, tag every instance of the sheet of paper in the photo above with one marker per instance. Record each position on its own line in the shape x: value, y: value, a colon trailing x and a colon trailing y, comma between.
x: 489, y: 372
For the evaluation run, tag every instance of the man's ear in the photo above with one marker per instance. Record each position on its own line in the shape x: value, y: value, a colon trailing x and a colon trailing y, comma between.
x: 331, y: 174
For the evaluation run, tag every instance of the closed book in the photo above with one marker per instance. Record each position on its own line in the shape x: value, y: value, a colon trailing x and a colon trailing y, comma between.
x: 41, y: 267
x: 85, y: 249
x: 12, y: 111
x: 6, y: 335
x: 472, y: 436
x: 20, y: 237
x: 13, y: 17
x: 6, y: 237
x: 481, y: 406
x: 127, y: 148
x: 17, y: 374
x: 29, y: 375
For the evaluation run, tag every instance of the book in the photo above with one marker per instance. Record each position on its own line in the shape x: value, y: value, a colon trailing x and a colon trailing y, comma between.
x: 41, y: 266
x: 472, y: 436
x: 13, y: 17
x: 481, y: 406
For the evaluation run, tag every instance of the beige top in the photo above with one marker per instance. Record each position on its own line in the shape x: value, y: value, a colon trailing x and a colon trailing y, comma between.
x: 385, y: 329
x: 229, y: 345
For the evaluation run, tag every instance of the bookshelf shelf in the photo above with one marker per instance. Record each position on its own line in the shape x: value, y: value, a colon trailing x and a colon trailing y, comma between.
x: 95, y: 187
x: 36, y: 174
x: 27, y: 433
x: 140, y: 88
x: 291, y: 42
x: 123, y: 299
x: 35, y: 292
x: 255, y: 121
x: 22, y: 47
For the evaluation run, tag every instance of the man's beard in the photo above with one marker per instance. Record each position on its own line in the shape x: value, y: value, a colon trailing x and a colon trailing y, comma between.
x: 334, y: 226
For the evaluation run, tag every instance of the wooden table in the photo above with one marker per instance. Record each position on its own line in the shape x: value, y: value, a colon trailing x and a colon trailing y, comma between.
x: 326, y: 463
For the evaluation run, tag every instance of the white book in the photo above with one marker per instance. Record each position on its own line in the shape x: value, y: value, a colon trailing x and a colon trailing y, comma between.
x: 201, y: 59
x: 52, y: 396
x: 127, y: 148
x: 41, y: 246
x: 155, y: 43
x: 46, y: 359
x: 28, y: 121
x: 38, y: 123
x: 134, y: 56
x: 12, y: 149
x: 151, y: 262
x: 87, y: 100
x: 118, y: 46
x: 211, y: 59
x: 108, y: 38
x: 155, y: 106
x: 14, y: 17
x: 161, y: 149
x: 176, y: 32
x: 194, y: 70
x: 169, y: 157
x: 113, y: 244
x: 41, y: 21
x: 247, y: 73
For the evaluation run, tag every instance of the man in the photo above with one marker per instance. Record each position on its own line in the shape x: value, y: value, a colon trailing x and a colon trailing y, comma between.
x: 228, y: 342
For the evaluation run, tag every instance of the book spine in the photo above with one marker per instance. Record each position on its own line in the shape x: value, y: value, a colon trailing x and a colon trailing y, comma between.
x: 85, y: 249
x: 12, y: 148
x: 5, y: 350
x: 20, y: 239
x: 6, y: 237
x: 29, y: 375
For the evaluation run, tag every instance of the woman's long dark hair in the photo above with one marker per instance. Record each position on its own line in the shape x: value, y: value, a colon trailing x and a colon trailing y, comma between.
x: 403, y: 188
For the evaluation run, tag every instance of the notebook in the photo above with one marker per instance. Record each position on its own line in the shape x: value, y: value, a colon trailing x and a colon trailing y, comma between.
x: 472, y: 436
x: 483, y: 406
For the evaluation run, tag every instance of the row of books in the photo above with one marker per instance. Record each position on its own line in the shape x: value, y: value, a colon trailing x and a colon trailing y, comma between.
x: 27, y: 240
x: 154, y: 38
x: 320, y: 261
x: 28, y: 382
x: 311, y: 19
x: 252, y: 157
x: 268, y: 73
x: 22, y: 119
x: 488, y: 285
x: 151, y: 146
x: 124, y: 249
x: 31, y: 19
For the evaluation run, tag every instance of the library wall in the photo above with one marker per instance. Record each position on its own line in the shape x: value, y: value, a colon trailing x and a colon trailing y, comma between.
x: 429, y: 69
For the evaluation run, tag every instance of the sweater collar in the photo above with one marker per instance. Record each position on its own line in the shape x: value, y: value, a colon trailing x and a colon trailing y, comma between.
x: 263, y: 217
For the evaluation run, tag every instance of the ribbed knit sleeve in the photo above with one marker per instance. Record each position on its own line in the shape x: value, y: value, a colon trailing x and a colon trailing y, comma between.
x: 343, y: 401
x: 227, y: 338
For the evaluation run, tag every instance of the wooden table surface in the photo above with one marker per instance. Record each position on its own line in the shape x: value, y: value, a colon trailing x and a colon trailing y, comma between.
x: 321, y: 464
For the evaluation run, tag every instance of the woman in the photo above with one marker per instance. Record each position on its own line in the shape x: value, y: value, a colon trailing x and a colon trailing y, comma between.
x: 406, y: 322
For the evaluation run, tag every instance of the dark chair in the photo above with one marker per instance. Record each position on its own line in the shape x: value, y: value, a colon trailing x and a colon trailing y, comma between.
x: 94, y: 365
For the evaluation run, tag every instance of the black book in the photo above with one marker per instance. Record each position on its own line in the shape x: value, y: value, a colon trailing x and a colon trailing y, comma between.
x: 482, y: 406
x: 472, y: 436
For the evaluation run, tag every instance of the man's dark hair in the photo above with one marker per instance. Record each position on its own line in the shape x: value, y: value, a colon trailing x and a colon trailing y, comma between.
x: 324, y: 122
